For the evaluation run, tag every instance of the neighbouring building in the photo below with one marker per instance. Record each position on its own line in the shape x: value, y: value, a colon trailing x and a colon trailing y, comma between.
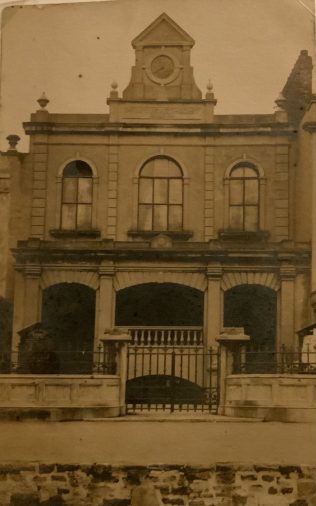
x: 162, y: 217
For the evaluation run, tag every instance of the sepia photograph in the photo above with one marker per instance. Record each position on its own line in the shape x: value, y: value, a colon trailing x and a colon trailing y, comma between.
x: 158, y: 253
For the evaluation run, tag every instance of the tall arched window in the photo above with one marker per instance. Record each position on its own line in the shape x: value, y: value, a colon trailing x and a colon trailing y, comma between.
x: 244, y: 198
x: 160, y: 198
x: 77, y: 189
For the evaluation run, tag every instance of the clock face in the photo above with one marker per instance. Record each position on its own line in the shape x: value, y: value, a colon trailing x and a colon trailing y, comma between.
x: 162, y: 66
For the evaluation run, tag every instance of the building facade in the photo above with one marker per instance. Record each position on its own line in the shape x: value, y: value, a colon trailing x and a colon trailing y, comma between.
x: 161, y: 214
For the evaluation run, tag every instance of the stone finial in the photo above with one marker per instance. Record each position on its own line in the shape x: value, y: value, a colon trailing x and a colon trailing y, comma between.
x: 209, y: 86
x: 114, y: 90
x: 209, y: 90
x: 43, y: 101
x: 280, y: 101
x: 13, y: 140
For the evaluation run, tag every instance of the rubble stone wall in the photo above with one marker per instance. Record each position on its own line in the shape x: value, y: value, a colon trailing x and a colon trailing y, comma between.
x: 103, y: 485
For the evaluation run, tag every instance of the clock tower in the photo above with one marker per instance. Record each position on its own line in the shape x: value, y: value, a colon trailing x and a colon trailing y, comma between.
x: 162, y: 86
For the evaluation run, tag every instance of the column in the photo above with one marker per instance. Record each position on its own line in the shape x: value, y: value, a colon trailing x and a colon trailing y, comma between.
x: 31, y: 294
x: 213, y: 304
x: 18, y: 307
x: 106, y: 301
x: 287, y: 307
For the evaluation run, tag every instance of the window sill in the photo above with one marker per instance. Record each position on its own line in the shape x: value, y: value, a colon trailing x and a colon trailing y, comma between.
x: 181, y: 235
x: 239, y: 235
x: 92, y: 233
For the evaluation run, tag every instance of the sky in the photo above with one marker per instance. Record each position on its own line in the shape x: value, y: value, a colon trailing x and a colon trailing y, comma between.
x: 75, y: 51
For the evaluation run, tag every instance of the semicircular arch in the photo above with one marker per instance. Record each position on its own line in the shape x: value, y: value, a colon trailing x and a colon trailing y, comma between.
x: 74, y: 159
x: 244, y: 161
x: 267, y: 279
x: 54, y: 277
x: 192, y: 279
x: 177, y: 161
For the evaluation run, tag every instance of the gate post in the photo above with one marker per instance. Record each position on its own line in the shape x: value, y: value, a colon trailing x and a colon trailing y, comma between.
x: 230, y: 340
x: 120, y: 339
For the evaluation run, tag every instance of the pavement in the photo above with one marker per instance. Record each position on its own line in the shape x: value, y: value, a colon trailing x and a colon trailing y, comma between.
x: 157, y: 438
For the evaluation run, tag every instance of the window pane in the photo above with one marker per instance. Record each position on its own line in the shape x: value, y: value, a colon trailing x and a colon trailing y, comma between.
x: 70, y: 190
x: 236, y: 218
x: 84, y: 216
x: 68, y: 216
x: 85, y: 190
x: 239, y: 172
x: 175, y: 217
x: 161, y: 167
x: 145, y: 217
x: 251, y: 191
x: 77, y: 168
x: 248, y: 172
x: 145, y: 191
x: 173, y: 170
x: 175, y: 191
x: 236, y: 191
x: 148, y: 169
x: 160, y: 218
x: 160, y: 191
x: 251, y: 218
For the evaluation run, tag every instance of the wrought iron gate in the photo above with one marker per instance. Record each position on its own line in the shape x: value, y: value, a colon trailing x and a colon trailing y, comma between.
x: 178, y: 378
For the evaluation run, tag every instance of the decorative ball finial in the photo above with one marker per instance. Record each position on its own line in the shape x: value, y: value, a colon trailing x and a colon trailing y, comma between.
x: 114, y: 90
x: 43, y: 101
x: 13, y: 140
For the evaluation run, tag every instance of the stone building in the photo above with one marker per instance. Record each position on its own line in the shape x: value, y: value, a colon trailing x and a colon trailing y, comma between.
x: 162, y: 214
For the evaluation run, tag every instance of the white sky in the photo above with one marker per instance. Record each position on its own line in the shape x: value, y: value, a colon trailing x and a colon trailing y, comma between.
x: 246, y: 47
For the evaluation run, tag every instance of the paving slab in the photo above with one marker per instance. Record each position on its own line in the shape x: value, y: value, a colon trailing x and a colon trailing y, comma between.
x: 173, y: 441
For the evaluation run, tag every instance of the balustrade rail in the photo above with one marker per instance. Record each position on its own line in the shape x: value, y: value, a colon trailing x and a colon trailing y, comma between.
x: 102, y: 361
x: 166, y: 336
x: 271, y: 362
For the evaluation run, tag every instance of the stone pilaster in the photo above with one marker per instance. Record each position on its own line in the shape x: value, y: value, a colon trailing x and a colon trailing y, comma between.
x: 32, y: 294
x: 287, y: 306
x: 113, y: 162
x: 281, y: 193
x: 39, y: 185
x: 313, y: 151
x: 213, y: 311
x: 105, y: 310
x: 209, y: 232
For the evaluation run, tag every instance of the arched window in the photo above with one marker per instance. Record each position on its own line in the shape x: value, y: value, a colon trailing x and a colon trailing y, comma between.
x: 160, y: 197
x: 244, y: 198
x: 76, y: 204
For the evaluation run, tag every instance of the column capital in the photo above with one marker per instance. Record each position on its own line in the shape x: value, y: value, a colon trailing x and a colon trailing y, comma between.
x: 106, y: 270
x: 214, y: 271
x: 32, y: 271
x: 287, y: 272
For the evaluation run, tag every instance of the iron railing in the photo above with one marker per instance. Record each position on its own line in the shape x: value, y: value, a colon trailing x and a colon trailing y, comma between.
x: 102, y: 361
x: 172, y: 378
x: 165, y: 336
x: 272, y: 362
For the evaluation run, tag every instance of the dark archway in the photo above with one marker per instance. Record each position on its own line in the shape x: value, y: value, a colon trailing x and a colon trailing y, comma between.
x: 253, y: 307
x: 163, y: 389
x: 6, y: 313
x: 68, y: 310
x: 160, y: 304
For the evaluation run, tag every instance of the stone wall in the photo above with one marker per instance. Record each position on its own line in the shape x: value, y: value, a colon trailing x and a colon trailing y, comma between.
x: 103, y: 485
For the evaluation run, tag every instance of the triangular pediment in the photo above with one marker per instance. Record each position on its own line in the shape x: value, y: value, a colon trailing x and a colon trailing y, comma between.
x: 163, y: 31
